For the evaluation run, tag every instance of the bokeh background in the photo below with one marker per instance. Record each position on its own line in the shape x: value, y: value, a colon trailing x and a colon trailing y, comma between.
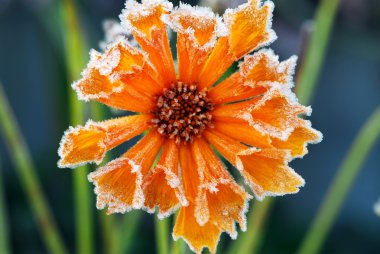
x: 33, y: 73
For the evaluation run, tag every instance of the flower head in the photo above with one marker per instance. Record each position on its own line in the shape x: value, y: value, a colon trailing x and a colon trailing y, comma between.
x: 251, y: 118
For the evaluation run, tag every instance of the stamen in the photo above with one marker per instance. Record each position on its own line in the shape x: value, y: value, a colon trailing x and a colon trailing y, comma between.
x: 182, y: 112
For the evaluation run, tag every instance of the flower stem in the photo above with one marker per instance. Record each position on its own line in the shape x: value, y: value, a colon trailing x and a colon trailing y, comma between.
x: 340, y: 187
x: 25, y: 168
x: 74, y: 52
x: 128, y: 229
x: 316, y: 50
x: 4, y: 237
x: 162, y: 233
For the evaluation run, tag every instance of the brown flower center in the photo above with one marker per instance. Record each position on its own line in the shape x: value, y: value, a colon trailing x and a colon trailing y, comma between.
x: 182, y: 112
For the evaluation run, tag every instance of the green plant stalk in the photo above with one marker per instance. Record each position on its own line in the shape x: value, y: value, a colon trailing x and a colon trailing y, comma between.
x: 306, y: 81
x: 339, y: 189
x: 162, y: 233
x: 316, y: 50
x: 4, y: 233
x: 25, y: 168
x: 128, y: 229
x: 250, y: 241
x: 75, y: 60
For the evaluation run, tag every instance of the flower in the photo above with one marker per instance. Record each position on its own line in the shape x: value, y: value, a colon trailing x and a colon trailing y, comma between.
x: 251, y: 118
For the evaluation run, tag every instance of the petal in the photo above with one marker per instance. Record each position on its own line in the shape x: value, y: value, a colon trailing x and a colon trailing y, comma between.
x: 256, y: 75
x: 94, y: 86
x: 249, y: 27
x: 145, y: 22
x: 118, y: 184
x: 243, y: 132
x: 123, y: 62
x: 275, y: 113
x: 298, y: 139
x: 197, y: 29
x: 265, y: 170
x: 162, y: 187
x: 220, y: 200
x: 195, y: 235
x: 190, y: 176
x: 89, y: 143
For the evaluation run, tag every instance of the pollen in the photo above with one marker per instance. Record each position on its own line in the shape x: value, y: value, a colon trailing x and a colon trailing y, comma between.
x: 182, y: 112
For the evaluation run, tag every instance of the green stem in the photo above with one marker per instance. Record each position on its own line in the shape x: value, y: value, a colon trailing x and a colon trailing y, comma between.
x: 339, y: 189
x: 4, y: 237
x: 25, y: 168
x: 128, y: 230
x: 162, y: 233
x: 75, y: 60
x: 316, y: 50
x: 250, y: 241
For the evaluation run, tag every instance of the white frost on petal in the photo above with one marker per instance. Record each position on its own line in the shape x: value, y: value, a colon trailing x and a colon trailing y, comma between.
x: 114, y: 204
x: 114, y: 31
x: 229, y: 14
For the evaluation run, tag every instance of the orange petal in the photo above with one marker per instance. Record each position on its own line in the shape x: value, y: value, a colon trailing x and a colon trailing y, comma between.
x: 162, y: 187
x: 118, y: 184
x: 89, y: 143
x: 265, y: 170
x: 145, y: 22
x: 195, y: 235
x: 249, y: 28
x: 123, y: 62
x: 220, y: 200
x: 197, y: 29
x: 268, y: 173
x: 275, y: 113
x: 242, y: 132
x: 256, y: 75
x: 94, y: 86
x: 298, y: 140
x: 190, y: 176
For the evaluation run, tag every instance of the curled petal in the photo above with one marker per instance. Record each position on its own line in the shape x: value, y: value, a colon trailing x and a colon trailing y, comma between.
x: 196, y: 236
x: 266, y: 170
x: 145, y: 22
x: 94, y: 86
x: 249, y: 27
x: 298, y: 139
x: 274, y: 114
x: 220, y: 200
x: 162, y: 186
x: 197, y: 29
x: 190, y: 175
x: 89, y: 143
x: 118, y: 184
x: 256, y: 75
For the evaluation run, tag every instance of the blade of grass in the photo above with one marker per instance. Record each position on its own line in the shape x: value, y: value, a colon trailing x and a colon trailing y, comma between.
x: 75, y: 61
x: 316, y: 50
x: 162, y: 233
x: 25, y: 168
x: 4, y: 229
x: 339, y: 189
x: 128, y: 229
x: 306, y: 81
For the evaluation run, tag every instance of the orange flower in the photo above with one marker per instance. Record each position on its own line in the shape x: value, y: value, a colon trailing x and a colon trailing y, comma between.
x: 251, y: 118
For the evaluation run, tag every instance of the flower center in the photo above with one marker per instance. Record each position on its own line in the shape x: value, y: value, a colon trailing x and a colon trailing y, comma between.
x: 182, y: 112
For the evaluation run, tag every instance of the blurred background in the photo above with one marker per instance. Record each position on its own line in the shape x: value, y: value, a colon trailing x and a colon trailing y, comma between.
x: 34, y: 76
